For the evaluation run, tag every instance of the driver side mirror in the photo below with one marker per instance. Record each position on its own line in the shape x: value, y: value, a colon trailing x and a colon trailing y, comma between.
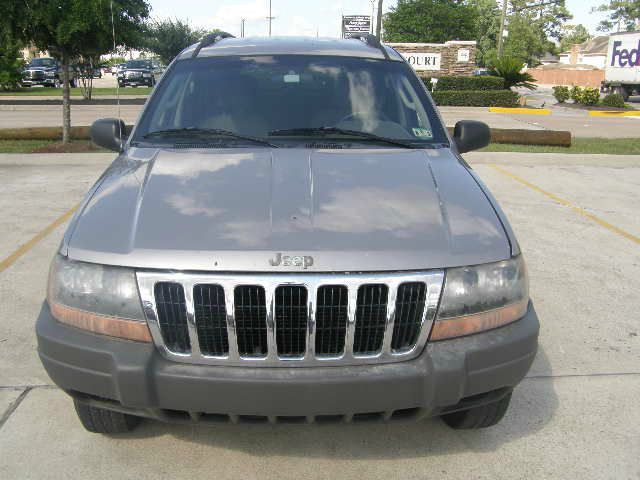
x: 109, y: 133
x: 471, y: 135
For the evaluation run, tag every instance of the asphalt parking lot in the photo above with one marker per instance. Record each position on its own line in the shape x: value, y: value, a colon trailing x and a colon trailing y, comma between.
x: 575, y: 416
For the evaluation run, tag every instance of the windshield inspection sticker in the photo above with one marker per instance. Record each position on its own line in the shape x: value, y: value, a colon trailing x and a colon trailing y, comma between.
x: 422, y: 132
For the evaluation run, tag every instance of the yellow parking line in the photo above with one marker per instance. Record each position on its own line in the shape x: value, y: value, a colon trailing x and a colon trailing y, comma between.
x: 614, y: 113
x: 521, y: 111
x: 576, y: 209
x: 11, y: 259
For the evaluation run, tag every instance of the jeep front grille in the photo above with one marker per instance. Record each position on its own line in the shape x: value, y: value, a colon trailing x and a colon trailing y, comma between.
x: 290, y: 319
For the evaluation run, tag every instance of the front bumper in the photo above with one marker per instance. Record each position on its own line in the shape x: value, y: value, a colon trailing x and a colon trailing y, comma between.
x: 135, y: 378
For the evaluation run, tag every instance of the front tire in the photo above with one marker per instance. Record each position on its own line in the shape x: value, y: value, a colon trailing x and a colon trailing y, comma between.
x: 479, y: 417
x: 100, y: 420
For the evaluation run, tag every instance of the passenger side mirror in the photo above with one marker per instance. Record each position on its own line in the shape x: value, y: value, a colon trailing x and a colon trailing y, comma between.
x: 471, y: 135
x: 109, y: 133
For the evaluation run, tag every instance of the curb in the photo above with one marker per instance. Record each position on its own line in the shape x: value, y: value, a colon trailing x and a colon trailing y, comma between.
x: 614, y: 113
x: 77, y: 101
x: 521, y: 111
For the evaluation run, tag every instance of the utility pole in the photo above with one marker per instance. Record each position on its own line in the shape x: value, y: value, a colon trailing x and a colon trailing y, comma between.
x: 503, y: 18
x: 379, y: 20
x: 242, y: 20
x: 270, y: 17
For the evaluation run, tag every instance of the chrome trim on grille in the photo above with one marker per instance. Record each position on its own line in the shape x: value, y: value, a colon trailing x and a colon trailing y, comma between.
x: 433, y: 281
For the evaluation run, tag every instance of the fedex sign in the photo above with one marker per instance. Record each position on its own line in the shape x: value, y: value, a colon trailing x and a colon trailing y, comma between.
x: 624, y: 57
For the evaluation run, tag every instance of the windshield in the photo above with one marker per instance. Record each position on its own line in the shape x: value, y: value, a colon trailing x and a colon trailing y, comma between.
x: 138, y: 64
x: 288, y: 96
x: 43, y: 62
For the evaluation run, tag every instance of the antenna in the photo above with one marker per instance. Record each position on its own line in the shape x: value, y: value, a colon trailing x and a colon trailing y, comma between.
x: 113, y: 34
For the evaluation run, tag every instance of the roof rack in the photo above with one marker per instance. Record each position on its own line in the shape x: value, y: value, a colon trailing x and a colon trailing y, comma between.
x: 209, y: 40
x: 372, y: 41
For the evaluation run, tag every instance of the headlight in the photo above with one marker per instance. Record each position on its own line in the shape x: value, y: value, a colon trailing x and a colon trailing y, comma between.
x: 147, y: 75
x: 51, y: 74
x: 482, y: 297
x: 99, y: 298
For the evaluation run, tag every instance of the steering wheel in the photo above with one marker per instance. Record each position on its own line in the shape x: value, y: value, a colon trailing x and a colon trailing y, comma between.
x: 381, y: 116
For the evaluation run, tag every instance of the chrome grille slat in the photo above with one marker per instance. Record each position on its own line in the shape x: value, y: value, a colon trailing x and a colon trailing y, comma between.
x: 247, y: 310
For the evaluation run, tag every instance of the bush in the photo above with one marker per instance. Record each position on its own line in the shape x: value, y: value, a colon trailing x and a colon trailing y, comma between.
x: 476, y: 98
x: 585, y: 96
x: 562, y: 94
x: 614, y: 100
x: 470, y: 83
x: 575, y: 93
x: 510, y: 69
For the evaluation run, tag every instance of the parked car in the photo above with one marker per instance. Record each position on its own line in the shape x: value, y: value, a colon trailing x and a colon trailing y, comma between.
x: 289, y: 233
x: 46, y: 72
x: 139, y: 72
x: 114, y: 69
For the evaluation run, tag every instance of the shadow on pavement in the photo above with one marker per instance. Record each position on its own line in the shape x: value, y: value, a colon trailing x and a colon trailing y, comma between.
x: 532, y: 407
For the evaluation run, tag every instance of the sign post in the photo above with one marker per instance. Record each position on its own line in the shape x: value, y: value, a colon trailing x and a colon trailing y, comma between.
x: 354, y: 25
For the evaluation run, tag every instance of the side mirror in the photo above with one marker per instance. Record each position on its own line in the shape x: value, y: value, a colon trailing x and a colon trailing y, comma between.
x: 471, y: 135
x: 109, y: 133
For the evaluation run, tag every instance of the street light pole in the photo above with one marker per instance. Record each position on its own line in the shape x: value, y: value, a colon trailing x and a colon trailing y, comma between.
x: 503, y: 18
x: 242, y: 20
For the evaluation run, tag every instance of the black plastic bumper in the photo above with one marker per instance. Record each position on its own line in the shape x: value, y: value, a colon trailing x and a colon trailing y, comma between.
x: 135, y: 377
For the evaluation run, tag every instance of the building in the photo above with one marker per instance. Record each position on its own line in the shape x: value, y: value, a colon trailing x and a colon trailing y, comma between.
x: 592, y: 52
x: 582, y: 65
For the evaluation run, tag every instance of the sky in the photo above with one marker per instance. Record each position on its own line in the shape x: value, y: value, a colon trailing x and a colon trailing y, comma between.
x: 301, y: 17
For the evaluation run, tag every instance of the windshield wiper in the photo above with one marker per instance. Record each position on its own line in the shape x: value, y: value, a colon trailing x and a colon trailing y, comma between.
x: 339, y: 131
x: 206, y: 132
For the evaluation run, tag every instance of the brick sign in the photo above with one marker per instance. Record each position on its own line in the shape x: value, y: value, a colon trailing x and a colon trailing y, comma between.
x: 440, y: 59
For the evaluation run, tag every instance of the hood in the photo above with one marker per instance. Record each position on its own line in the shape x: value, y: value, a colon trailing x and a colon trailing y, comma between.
x: 237, y: 209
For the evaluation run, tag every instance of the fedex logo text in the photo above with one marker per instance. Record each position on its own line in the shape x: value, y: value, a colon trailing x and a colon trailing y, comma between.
x: 624, y: 56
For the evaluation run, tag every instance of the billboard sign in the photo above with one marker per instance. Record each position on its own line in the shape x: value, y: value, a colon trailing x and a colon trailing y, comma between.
x: 355, y: 25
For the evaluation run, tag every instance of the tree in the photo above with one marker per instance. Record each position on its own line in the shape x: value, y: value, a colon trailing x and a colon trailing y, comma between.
x: 430, y: 21
x: 486, y: 32
x: 79, y: 29
x: 167, y: 38
x: 573, y: 34
x: 531, y: 26
x: 623, y: 15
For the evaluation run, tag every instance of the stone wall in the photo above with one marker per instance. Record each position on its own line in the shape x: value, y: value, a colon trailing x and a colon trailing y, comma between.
x: 456, y: 58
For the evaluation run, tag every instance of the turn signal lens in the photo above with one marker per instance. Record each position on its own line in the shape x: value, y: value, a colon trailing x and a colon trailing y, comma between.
x: 102, y: 324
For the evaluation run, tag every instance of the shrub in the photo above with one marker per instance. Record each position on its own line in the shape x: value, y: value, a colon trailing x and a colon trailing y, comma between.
x: 575, y: 93
x: 510, y: 69
x: 614, y: 100
x: 470, y: 83
x: 585, y: 96
x: 476, y: 98
x: 562, y: 94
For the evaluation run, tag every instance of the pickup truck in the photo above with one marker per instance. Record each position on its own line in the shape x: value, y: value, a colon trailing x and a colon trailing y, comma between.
x: 46, y: 72
x: 289, y: 234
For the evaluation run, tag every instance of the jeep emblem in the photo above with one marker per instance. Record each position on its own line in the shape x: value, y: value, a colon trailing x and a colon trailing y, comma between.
x: 303, y: 261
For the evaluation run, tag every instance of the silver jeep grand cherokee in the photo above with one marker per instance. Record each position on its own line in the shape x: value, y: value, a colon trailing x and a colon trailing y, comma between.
x: 288, y: 234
